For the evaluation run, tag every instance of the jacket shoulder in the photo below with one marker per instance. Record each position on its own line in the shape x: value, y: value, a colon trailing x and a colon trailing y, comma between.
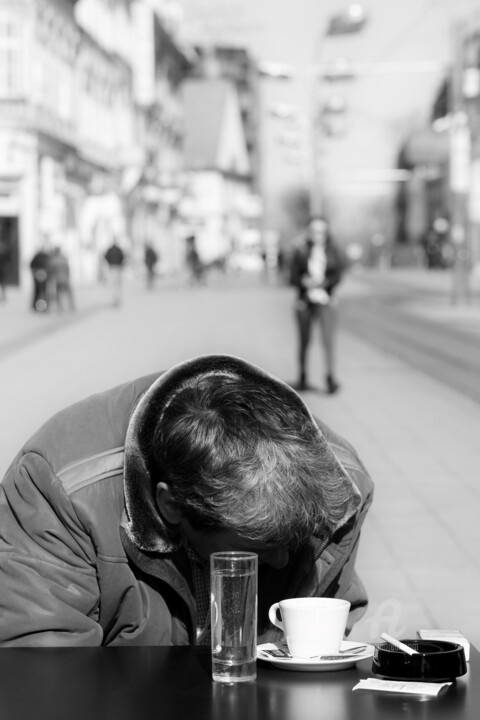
x: 91, y: 430
x: 349, y: 459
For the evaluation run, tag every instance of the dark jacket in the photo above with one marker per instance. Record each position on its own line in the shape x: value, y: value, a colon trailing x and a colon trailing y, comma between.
x: 333, y: 272
x: 115, y: 255
x: 40, y: 261
x: 85, y: 558
x: 5, y: 256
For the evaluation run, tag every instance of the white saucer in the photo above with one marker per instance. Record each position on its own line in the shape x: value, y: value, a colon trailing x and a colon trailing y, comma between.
x: 314, y: 664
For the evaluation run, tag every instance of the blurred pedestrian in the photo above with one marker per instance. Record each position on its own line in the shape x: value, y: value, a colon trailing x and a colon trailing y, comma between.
x: 194, y: 263
x: 316, y: 269
x: 115, y: 258
x: 282, y: 267
x: 264, y: 259
x: 60, y: 281
x: 4, y: 267
x: 435, y: 247
x: 151, y: 260
x: 41, y: 272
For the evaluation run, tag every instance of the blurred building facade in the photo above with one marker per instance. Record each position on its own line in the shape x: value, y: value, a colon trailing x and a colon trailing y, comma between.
x: 229, y: 77
x: 422, y: 199
x: 466, y: 110
x: 154, y: 179
x: 238, y: 66
x: 218, y: 168
x: 39, y: 42
x: 91, y: 129
x: 439, y: 206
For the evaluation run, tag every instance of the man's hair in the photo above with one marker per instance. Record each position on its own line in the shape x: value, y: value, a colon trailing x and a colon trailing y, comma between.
x: 239, y: 456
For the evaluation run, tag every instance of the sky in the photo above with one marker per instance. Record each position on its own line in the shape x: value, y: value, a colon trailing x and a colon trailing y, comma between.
x: 383, y: 104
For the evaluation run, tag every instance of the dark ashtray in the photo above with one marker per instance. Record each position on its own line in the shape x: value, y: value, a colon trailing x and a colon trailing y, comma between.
x: 436, y: 661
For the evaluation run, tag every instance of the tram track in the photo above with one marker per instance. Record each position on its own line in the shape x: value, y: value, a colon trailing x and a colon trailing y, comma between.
x: 441, y: 351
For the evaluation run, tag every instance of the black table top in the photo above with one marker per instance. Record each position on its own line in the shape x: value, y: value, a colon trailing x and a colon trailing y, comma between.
x: 163, y: 683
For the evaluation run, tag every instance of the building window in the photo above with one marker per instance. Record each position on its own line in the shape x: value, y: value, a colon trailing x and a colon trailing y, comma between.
x: 11, y: 56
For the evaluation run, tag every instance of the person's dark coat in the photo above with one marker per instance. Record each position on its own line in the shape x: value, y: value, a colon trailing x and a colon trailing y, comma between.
x: 334, y: 270
x: 115, y: 255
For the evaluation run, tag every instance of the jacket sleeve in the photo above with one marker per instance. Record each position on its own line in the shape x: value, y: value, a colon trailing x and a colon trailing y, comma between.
x: 334, y: 570
x: 296, y: 269
x: 336, y: 269
x: 50, y: 594
x: 342, y: 578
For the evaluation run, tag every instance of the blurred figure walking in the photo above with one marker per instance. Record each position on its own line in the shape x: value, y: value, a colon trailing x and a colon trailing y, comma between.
x: 115, y: 258
x: 316, y: 269
x: 4, y: 266
x: 60, y: 281
x: 151, y: 259
x: 194, y: 263
x: 41, y: 272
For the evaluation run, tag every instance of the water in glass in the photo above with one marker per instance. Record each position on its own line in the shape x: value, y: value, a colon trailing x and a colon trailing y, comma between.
x: 234, y: 622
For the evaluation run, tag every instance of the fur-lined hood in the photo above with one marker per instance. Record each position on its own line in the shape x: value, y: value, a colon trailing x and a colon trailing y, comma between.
x: 145, y: 527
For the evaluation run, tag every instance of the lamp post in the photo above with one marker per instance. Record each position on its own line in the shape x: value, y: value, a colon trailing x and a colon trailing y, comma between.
x: 350, y: 21
x: 461, y: 91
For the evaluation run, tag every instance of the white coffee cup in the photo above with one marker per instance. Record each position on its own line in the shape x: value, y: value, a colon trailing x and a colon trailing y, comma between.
x: 312, y: 625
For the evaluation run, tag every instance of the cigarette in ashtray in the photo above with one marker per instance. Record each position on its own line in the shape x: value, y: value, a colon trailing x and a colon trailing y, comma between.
x: 398, y: 644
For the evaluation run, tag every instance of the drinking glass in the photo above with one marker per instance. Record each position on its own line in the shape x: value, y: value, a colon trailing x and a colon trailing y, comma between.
x: 234, y: 577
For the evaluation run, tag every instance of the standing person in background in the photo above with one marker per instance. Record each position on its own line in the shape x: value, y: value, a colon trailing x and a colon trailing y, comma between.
x: 316, y: 269
x: 40, y: 267
x: 281, y: 265
x: 115, y: 258
x: 4, y: 265
x: 151, y: 259
x: 60, y: 277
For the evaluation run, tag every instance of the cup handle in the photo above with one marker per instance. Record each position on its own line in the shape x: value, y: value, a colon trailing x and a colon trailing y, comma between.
x: 272, y: 614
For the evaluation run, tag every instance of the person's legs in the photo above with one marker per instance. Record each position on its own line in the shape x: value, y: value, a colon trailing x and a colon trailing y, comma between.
x: 116, y: 280
x: 57, y: 295
x: 150, y: 275
x: 34, y: 293
x: 328, y: 325
x: 71, y: 299
x: 65, y: 297
x: 40, y: 297
x: 304, y: 323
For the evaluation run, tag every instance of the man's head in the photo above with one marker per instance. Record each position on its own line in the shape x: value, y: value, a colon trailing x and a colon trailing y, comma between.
x: 242, y: 466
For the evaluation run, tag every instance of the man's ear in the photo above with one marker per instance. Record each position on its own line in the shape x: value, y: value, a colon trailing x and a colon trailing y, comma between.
x: 167, y: 506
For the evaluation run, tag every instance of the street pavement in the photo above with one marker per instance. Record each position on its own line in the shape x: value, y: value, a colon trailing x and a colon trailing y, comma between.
x: 417, y: 437
x: 20, y: 325
x: 438, y: 302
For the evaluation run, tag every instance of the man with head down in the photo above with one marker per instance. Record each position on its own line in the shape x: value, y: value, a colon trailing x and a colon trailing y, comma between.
x: 109, y: 513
